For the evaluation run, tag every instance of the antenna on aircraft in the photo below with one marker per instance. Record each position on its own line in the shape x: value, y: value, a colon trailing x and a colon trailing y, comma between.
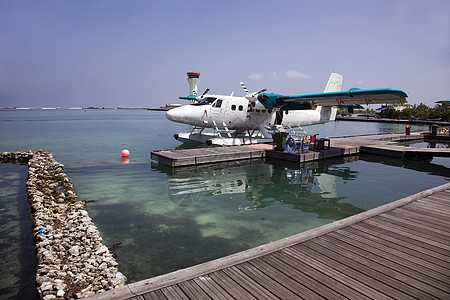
x: 193, y: 79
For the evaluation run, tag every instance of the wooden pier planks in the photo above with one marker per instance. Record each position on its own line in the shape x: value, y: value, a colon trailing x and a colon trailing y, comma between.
x: 197, y: 156
x: 380, y: 144
x: 400, y: 250
x: 401, y: 151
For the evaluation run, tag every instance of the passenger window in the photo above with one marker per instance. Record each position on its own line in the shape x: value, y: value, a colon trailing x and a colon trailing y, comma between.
x: 241, y: 108
x: 263, y: 111
x: 233, y: 107
x: 287, y: 112
x: 257, y: 110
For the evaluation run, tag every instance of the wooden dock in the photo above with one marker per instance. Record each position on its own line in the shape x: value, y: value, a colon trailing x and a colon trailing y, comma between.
x: 397, y: 251
x: 197, y: 156
x: 381, y: 144
x: 388, y: 145
x: 407, y: 152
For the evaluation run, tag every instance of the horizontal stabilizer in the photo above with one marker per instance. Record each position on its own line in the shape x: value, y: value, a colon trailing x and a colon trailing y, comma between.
x: 351, y: 97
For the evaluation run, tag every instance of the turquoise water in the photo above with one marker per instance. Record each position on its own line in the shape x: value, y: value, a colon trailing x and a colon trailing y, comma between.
x: 160, y: 219
x: 17, y: 259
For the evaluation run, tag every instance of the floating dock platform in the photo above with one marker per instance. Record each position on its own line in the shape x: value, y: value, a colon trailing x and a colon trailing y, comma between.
x: 197, y: 156
x: 381, y: 144
x: 400, y: 250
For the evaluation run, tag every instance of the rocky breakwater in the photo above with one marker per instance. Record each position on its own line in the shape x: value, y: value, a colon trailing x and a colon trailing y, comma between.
x: 16, y: 157
x: 72, y: 262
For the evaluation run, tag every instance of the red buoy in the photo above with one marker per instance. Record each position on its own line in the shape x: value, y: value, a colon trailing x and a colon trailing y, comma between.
x: 125, y: 153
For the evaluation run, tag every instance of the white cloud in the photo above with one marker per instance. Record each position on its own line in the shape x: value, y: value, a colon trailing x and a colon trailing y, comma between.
x: 275, y: 76
x: 255, y: 76
x: 296, y: 74
x: 359, y: 83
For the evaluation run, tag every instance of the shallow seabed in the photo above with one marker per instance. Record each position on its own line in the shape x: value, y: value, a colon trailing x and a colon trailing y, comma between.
x: 163, y: 219
x: 159, y: 219
x: 17, y: 257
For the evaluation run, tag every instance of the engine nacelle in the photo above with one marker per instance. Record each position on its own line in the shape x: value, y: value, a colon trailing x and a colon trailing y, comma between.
x: 253, y: 103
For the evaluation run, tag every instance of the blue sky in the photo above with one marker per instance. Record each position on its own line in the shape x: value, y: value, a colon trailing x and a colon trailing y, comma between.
x: 136, y: 53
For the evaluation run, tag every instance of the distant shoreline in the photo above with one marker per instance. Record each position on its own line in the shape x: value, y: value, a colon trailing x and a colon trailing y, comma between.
x: 385, y: 120
x: 84, y: 108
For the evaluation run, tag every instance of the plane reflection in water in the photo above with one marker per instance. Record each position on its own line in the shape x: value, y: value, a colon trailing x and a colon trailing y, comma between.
x: 311, y: 188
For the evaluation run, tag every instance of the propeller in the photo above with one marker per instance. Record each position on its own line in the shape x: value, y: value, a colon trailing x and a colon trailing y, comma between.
x: 244, y: 87
x: 204, y: 93
x: 252, y: 94
x: 251, y: 97
x: 257, y: 93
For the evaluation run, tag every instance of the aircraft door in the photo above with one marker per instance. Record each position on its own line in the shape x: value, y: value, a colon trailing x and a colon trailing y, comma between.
x: 216, y: 107
x: 278, y: 117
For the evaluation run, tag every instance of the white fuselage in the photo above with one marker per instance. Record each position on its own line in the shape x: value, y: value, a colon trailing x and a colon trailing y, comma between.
x: 246, y: 114
x: 240, y: 114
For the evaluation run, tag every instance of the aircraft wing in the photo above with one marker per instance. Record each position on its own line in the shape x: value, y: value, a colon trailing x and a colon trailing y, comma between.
x: 351, y: 97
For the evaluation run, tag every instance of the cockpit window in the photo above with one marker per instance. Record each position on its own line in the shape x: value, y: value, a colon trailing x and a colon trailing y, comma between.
x: 218, y: 103
x: 207, y: 100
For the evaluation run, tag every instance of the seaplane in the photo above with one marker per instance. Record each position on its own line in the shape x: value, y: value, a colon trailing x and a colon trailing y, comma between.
x: 253, y: 118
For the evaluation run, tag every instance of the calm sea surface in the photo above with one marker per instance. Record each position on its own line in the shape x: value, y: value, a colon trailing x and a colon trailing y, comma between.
x: 161, y: 219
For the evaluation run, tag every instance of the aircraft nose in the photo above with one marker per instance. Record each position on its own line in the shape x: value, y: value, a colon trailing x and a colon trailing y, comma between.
x: 173, y: 114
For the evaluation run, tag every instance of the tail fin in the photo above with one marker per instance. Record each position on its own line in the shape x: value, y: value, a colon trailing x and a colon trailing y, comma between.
x: 328, y: 113
x: 334, y: 83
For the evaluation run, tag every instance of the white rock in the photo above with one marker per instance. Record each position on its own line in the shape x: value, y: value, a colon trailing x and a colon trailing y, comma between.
x: 74, y: 250
x: 91, y: 229
x: 102, y: 250
x: 46, y: 286
x: 87, y: 289
x: 60, y: 293
x: 113, y: 263
x: 103, y: 266
x: 108, y: 259
x: 120, y: 278
x: 59, y: 284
